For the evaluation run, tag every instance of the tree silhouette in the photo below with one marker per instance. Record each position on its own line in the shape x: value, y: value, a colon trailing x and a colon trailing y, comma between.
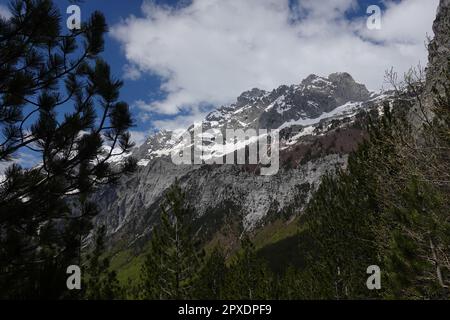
x: 59, y: 102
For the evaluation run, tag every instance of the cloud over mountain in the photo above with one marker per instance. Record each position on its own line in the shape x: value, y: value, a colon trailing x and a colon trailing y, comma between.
x: 209, y: 51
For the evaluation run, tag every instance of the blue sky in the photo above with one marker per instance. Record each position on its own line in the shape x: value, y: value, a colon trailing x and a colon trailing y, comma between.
x: 180, y: 59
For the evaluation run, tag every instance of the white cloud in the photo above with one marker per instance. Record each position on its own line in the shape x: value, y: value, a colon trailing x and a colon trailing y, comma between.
x: 181, y: 121
x: 405, y: 22
x: 138, y: 137
x: 4, y: 12
x: 24, y: 159
x: 211, y: 50
x: 131, y: 72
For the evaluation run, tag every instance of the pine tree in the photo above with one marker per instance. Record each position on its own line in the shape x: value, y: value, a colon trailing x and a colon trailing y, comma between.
x: 101, y: 283
x: 345, y: 217
x: 295, y: 284
x: 211, y: 279
x: 248, y: 277
x: 59, y: 102
x: 418, y: 255
x: 389, y: 207
x: 172, y: 265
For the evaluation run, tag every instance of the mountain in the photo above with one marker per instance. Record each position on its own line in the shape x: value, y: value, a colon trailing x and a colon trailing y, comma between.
x: 319, y: 121
x: 387, y: 210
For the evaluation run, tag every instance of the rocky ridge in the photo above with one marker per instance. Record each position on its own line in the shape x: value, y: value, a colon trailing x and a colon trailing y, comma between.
x: 320, y: 122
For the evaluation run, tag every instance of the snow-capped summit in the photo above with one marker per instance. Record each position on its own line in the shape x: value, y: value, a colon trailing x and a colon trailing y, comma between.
x: 313, y: 100
x: 320, y: 120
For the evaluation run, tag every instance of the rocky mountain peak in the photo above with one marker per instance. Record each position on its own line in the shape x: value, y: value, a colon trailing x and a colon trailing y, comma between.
x: 439, y: 47
x: 341, y: 76
x: 303, y: 113
x: 287, y: 104
x: 347, y: 88
x: 156, y: 145
x: 340, y: 85
x: 314, y: 99
x: 311, y: 79
x: 250, y: 95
